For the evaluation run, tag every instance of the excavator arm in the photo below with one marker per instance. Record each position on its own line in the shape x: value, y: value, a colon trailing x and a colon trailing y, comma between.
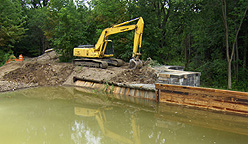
x: 119, y: 28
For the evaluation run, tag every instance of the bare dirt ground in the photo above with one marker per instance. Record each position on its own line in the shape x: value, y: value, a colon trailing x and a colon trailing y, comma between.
x: 45, y: 70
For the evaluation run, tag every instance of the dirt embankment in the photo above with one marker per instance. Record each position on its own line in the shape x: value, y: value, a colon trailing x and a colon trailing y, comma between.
x: 40, y: 73
x: 45, y: 70
x: 145, y: 75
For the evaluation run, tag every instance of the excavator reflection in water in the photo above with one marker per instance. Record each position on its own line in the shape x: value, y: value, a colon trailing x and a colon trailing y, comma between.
x: 99, y: 114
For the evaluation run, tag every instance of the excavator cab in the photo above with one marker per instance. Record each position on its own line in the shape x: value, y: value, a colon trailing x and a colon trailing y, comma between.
x: 109, y: 48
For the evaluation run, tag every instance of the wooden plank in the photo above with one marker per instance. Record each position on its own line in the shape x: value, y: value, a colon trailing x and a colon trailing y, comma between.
x: 205, y: 98
x: 206, y: 103
x: 214, y: 94
x: 128, y: 90
x: 202, y: 91
x: 215, y: 99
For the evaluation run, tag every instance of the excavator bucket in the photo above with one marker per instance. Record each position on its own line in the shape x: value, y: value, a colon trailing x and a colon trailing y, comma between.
x: 135, y: 64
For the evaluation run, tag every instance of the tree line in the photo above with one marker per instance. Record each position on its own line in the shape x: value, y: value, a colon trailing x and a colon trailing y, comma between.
x: 209, y: 36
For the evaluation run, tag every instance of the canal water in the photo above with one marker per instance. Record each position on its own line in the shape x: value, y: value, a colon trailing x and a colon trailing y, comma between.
x: 65, y: 115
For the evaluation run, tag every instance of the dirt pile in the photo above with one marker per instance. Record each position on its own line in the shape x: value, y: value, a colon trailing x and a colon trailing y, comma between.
x: 145, y: 75
x: 40, y: 73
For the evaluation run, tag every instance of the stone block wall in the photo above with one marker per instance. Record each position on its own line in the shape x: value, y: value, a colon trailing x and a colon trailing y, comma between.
x: 175, y: 75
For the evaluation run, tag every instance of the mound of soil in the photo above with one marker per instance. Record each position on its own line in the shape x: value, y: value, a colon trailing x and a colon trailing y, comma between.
x: 145, y: 75
x: 40, y: 73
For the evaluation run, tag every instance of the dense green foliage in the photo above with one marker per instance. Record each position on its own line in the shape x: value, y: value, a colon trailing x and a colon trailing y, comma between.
x: 12, y: 28
x: 202, y: 35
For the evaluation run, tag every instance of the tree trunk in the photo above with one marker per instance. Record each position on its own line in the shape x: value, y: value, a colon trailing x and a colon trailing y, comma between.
x: 244, y: 59
x: 245, y: 51
x: 230, y: 57
x: 237, y: 61
x: 229, y: 74
x: 234, y: 63
x: 187, y: 49
x: 229, y: 60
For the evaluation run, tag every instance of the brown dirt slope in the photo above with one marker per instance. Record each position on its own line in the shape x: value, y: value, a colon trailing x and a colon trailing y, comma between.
x: 40, y: 73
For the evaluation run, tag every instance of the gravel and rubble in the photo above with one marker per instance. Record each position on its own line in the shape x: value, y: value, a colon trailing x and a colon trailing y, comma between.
x: 11, y: 86
x: 144, y: 75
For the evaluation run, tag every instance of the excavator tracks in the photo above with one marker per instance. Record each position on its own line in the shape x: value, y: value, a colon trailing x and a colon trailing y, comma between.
x: 114, y: 61
x: 91, y: 63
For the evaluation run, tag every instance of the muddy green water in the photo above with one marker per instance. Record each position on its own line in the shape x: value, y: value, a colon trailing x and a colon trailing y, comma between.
x: 64, y: 115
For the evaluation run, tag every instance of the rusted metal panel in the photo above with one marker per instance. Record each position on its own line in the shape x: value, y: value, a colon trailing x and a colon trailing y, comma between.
x: 126, y: 90
x: 216, y: 99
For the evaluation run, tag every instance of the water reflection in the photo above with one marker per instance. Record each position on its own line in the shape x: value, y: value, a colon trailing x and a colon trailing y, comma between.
x: 100, y: 117
x: 65, y: 115
x: 81, y: 133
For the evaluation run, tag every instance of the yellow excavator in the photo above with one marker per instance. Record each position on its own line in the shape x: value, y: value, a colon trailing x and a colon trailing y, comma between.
x: 100, y: 54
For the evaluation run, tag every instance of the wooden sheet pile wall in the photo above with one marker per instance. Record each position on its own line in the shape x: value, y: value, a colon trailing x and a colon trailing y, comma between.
x: 222, y: 100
